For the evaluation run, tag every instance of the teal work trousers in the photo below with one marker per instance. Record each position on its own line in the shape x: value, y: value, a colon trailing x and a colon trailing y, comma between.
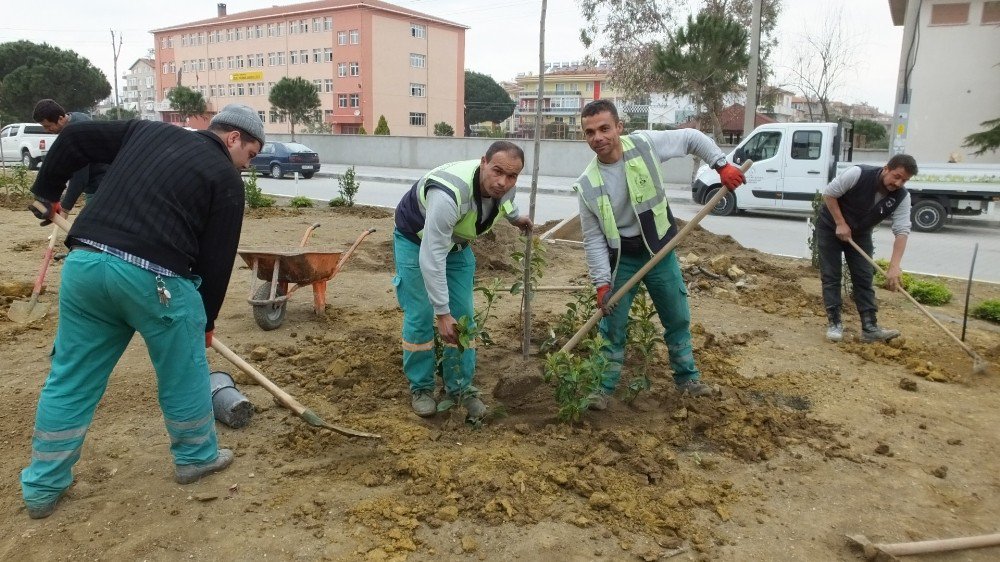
x: 419, y: 356
x: 103, y: 301
x: 665, y: 286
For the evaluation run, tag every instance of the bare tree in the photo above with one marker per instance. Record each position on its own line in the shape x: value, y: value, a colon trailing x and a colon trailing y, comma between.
x: 823, y: 62
x: 116, y: 50
x: 623, y: 34
x: 526, y: 294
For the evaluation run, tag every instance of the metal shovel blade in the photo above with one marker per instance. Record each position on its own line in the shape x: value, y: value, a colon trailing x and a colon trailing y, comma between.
x: 27, y: 312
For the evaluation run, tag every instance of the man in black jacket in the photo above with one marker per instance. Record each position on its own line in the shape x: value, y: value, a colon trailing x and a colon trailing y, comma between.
x: 855, y: 201
x: 53, y: 118
x: 152, y: 254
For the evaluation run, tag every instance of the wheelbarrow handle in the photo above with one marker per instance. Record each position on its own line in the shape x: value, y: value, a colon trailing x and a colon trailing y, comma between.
x: 350, y: 250
x: 309, y: 231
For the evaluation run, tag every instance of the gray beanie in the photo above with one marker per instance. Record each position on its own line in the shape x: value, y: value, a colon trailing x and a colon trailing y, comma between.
x: 242, y: 117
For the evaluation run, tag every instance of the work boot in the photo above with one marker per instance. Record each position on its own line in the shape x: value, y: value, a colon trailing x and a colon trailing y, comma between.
x: 188, y: 473
x: 42, y: 511
x: 834, y: 332
x: 871, y: 332
x: 474, y: 408
x: 695, y: 388
x: 423, y: 404
x: 599, y: 400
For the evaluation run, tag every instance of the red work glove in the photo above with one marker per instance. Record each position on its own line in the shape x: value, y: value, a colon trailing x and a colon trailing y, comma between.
x: 51, y: 210
x: 731, y: 176
x: 208, y: 338
x: 603, y: 296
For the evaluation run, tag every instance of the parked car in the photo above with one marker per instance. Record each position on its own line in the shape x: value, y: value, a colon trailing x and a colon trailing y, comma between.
x: 281, y: 158
x: 27, y: 143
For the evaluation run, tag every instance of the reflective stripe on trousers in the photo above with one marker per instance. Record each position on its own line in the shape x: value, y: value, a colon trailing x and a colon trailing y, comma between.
x: 419, y: 358
x: 665, y: 286
x: 103, y: 301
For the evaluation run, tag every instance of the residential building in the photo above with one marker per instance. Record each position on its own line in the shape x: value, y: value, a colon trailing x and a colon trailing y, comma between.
x: 781, y: 109
x: 948, y: 81
x: 670, y: 109
x: 366, y: 59
x: 139, y: 93
x: 731, y: 121
x: 568, y: 87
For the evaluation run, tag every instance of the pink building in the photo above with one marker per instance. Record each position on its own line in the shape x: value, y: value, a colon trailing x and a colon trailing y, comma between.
x: 366, y: 59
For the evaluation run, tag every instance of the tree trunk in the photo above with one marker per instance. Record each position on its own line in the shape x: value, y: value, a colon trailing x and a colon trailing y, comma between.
x: 526, y: 293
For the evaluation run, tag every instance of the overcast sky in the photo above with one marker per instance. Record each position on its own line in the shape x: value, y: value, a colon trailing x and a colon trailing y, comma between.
x: 502, y: 40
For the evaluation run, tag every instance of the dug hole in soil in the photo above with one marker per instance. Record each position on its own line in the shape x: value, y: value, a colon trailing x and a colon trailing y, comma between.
x: 809, y: 441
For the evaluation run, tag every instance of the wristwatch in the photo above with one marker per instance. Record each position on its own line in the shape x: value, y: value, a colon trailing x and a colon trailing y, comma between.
x: 719, y: 164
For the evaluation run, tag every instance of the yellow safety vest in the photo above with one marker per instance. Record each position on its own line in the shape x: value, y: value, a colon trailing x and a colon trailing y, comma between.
x: 458, y: 178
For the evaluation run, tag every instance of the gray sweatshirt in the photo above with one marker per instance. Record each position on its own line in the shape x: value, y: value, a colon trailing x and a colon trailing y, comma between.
x: 439, y: 223
x: 667, y: 145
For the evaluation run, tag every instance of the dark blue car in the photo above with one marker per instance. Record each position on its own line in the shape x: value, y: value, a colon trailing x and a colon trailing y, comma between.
x: 285, y: 158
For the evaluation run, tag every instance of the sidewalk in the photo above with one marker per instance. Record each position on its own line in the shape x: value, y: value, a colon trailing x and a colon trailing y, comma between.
x: 558, y: 185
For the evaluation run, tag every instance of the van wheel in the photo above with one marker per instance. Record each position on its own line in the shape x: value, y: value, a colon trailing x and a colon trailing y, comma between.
x: 726, y: 206
x: 28, y: 162
x: 928, y: 216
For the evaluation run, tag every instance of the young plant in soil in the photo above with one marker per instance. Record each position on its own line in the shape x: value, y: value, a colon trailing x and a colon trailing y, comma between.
x: 536, y: 267
x: 642, y: 339
x: 576, y: 377
x: 577, y: 313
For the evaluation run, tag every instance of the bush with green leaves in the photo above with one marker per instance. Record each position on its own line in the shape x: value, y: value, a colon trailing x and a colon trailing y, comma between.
x: 643, y: 336
x: 300, y: 202
x: 576, y: 377
x: 576, y: 315
x: 988, y: 310
x: 16, y: 183
x: 254, y: 195
x: 383, y: 126
x: 933, y: 293
x: 349, y: 187
x: 442, y: 129
x: 338, y: 202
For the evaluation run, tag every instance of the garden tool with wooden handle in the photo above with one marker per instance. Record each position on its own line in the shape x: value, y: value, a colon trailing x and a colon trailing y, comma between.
x: 979, y: 365
x: 31, y: 310
x: 589, y: 325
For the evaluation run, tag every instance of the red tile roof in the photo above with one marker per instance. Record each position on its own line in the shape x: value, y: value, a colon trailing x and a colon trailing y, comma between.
x: 308, y: 8
x: 731, y: 118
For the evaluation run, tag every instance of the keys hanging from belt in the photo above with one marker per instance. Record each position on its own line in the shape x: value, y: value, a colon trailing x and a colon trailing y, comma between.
x: 162, y: 291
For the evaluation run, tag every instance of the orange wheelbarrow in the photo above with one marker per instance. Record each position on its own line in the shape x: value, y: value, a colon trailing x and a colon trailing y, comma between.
x: 284, y: 271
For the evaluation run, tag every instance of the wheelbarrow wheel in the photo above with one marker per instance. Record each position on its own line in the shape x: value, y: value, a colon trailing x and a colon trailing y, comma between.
x: 268, y: 316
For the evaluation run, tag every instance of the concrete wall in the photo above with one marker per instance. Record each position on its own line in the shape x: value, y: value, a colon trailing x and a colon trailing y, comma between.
x: 558, y: 157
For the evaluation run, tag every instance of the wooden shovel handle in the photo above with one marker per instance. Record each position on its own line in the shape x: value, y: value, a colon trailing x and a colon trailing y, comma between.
x: 57, y: 219
x: 914, y: 301
x: 282, y: 396
x: 572, y: 343
x: 941, y: 545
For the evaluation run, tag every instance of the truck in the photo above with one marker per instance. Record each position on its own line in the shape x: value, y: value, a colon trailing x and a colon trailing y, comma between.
x: 27, y: 143
x: 794, y: 161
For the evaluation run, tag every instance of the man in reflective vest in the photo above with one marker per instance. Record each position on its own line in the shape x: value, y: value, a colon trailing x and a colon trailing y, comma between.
x: 626, y: 220
x: 436, y: 220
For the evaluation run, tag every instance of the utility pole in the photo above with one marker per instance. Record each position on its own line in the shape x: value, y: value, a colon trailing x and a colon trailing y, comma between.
x: 752, y: 75
x: 116, y: 50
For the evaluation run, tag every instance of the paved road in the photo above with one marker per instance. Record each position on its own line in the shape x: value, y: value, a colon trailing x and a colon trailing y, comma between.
x: 947, y: 252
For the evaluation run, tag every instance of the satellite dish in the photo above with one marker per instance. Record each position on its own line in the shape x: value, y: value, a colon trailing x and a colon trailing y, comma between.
x: 357, y: 112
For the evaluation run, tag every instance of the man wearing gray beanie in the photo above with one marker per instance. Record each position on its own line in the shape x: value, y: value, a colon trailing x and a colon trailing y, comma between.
x: 152, y: 253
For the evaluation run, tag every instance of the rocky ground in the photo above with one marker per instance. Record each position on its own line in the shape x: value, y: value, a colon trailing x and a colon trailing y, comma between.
x: 807, y: 442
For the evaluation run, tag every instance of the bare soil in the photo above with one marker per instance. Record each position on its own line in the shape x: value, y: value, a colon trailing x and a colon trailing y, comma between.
x: 808, y: 441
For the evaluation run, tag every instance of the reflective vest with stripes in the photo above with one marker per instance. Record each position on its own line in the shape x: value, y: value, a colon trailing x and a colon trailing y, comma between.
x: 458, y: 178
x: 646, y: 194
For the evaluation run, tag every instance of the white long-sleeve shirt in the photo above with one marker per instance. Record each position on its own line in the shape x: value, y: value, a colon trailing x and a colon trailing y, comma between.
x: 439, y: 226
x: 667, y: 145
x: 843, y: 183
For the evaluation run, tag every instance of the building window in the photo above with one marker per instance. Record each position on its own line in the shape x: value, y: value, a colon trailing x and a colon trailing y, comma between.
x: 318, y: 84
x: 355, y: 69
x: 355, y: 100
x: 355, y: 37
x: 418, y: 60
x: 328, y: 54
x: 327, y: 85
x: 258, y: 31
x: 281, y: 58
x: 303, y: 57
x: 317, y: 25
x: 260, y: 59
x: 272, y: 59
x: 293, y: 57
x: 232, y: 89
x: 950, y: 14
x: 991, y: 12
x: 418, y: 31
x: 316, y: 55
x: 240, y: 89
x: 280, y: 30
x: 328, y: 24
x: 341, y: 37
x: 342, y: 69
x: 270, y: 30
x: 341, y: 100
x: 251, y: 89
x: 261, y: 115
x: 418, y: 119
x: 417, y: 90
